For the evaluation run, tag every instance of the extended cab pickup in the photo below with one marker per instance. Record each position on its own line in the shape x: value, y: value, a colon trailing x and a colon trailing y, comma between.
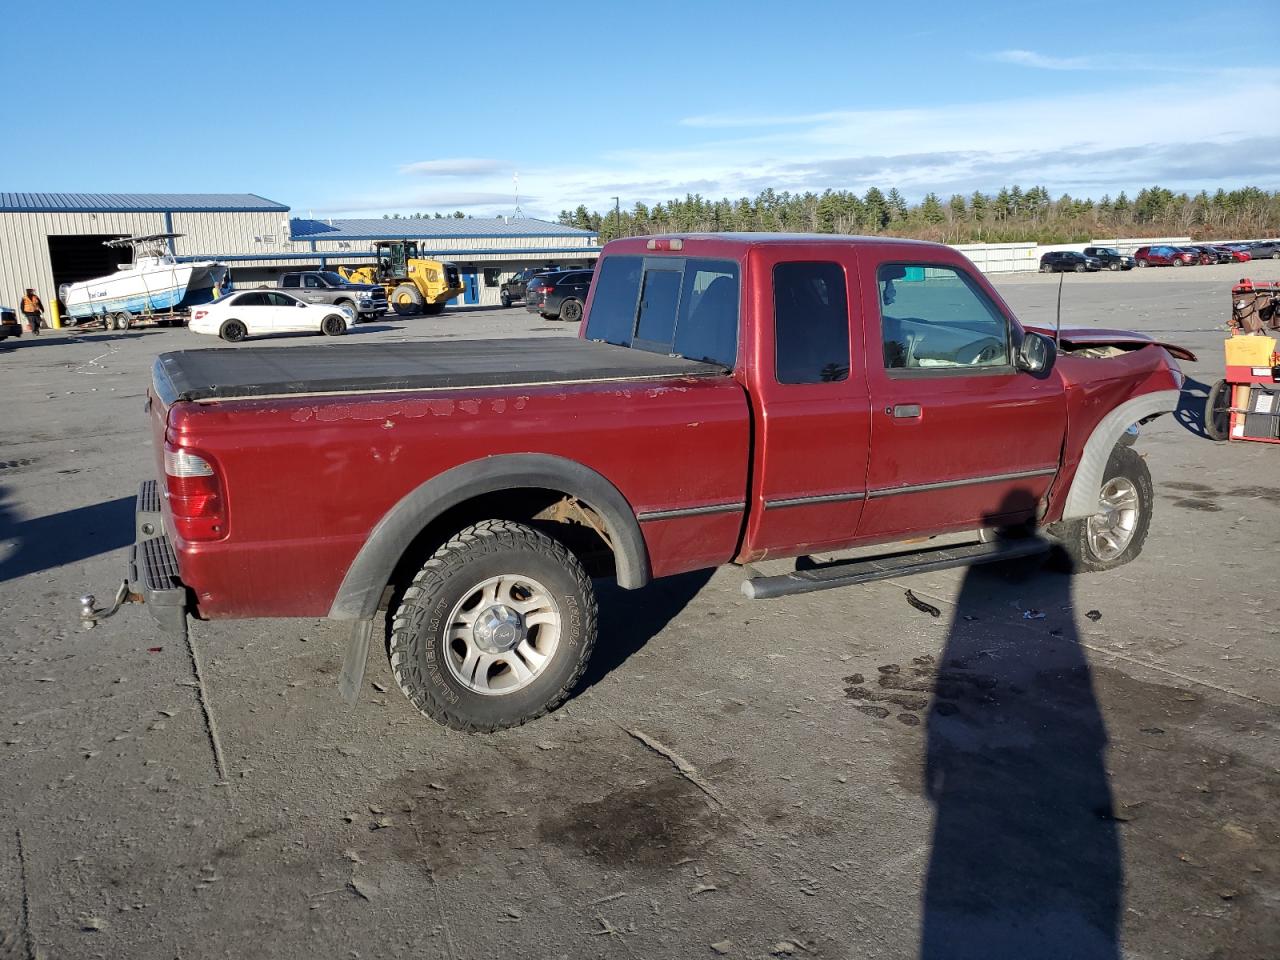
x: 730, y: 399
x: 367, y: 300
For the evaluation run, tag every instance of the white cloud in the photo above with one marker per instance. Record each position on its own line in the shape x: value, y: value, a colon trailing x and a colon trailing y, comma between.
x: 1187, y: 133
x: 456, y: 167
x: 1029, y: 58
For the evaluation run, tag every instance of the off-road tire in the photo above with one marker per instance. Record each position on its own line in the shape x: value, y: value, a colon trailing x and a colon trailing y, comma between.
x: 1217, y: 411
x: 333, y: 325
x: 412, y: 298
x: 419, y: 626
x: 571, y: 311
x: 1077, y: 554
x: 233, y: 331
x: 433, y: 309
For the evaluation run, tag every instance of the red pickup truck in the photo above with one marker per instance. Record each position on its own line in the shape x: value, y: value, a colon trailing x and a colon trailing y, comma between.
x: 730, y: 398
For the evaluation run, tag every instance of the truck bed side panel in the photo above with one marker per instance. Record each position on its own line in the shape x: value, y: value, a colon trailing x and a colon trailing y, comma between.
x: 307, y: 478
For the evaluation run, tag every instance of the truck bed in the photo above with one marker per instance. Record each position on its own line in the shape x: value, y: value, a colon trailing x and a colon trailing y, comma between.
x: 330, y: 368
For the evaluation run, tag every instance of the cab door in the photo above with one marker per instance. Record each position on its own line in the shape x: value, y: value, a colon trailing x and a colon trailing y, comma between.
x: 960, y: 438
x: 810, y: 401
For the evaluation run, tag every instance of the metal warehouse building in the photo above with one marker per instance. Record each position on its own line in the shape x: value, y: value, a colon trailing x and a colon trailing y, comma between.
x: 49, y: 239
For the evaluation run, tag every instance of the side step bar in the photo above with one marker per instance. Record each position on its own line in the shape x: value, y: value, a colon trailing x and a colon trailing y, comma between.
x: 846, y: 573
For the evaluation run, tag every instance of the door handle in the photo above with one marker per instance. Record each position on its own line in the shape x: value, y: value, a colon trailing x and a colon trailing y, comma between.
x: 905, y: 411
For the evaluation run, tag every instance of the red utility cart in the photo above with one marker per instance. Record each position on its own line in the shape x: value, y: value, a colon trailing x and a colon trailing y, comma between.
x: 1246, y: 404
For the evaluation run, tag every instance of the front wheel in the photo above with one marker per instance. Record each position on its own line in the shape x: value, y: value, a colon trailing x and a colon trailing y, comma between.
x: 1177, y: 262
x: 1113, y: 267
x: 1217, y: 411
x: 506, y: 301
x: 495, y: 629
x: 1141, y: 263
x: 1115, y: 534
x: 333, y: 326
x: 1081, y: 268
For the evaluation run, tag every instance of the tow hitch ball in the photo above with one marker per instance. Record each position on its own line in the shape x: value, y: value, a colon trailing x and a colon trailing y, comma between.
x: 90, y: 615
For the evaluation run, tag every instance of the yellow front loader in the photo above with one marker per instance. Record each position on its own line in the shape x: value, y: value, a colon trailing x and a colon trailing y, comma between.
x: 413, y: 284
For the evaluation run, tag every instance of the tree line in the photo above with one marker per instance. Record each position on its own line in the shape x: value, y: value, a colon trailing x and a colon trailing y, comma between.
x: 1011, y: 215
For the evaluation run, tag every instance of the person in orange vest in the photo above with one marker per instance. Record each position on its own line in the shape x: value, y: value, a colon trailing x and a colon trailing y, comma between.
x: 32, y: 308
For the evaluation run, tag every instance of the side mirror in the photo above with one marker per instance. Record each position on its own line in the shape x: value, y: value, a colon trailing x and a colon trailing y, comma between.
x: 1037, y: 354
x: 301, y: 304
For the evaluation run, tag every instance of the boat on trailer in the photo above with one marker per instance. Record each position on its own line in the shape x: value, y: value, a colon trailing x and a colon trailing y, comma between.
x: 153, y: 282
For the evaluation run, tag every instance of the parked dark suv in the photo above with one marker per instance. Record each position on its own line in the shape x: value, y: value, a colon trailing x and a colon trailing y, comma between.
x: 559, y: 295
x: 1055, y: 261
x: 1110, y: 257
x: 514, y: 289
x: 9, y: 323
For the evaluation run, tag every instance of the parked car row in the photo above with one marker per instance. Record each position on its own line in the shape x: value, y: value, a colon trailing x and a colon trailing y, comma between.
x: 1160, y: 255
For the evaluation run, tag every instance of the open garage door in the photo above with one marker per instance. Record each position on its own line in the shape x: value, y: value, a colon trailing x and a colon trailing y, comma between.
x: 83, y: 257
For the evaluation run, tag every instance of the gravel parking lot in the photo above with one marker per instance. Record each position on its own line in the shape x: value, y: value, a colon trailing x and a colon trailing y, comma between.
x: 832, y: 775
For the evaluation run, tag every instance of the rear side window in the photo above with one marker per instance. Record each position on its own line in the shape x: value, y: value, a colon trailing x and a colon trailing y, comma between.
x: 673, y: 305
x: 810, y: 322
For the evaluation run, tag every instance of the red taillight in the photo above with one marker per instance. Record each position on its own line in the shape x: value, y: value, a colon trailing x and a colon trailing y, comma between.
x: 197, y: 314
x: 195, y: 495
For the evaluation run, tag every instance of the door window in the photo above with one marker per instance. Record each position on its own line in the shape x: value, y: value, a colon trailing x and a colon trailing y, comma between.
x: 280, y: 300
x: 810, y: 322
x: 313, y: 282
x: 937, y: 319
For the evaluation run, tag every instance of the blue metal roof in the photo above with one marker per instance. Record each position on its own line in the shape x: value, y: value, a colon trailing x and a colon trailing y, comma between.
x: 344, y: 255
x: 137, y: 203
x: 425, y: 228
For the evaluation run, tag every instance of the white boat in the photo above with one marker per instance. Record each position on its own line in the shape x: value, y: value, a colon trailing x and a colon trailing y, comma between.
x: 154, y: 281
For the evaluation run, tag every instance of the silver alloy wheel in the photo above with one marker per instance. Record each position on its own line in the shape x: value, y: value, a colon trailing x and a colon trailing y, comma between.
x: 1113, y: 526
x: 502, y: 634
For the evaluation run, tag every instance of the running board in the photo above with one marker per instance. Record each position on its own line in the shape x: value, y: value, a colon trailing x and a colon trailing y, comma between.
x: 846, y: 573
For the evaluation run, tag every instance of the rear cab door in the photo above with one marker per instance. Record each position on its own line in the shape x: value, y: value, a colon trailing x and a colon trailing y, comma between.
x: 809, y: 398
x: 959, y: 437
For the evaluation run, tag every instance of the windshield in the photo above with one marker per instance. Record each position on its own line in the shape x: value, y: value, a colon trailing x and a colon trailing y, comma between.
x: 1106, y: 252
x: 678, y: 306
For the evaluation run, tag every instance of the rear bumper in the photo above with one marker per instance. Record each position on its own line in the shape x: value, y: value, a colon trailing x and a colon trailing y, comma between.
x: 153, y: 564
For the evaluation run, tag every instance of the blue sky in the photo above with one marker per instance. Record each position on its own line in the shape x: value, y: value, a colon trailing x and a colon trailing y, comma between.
x: 363, y: 109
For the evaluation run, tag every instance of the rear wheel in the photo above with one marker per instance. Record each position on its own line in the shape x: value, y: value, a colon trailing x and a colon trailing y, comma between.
x: 233, y: 331
x: 495, y: 629
x: 1115, y: 534
x: 1114, y: 266
x: 1141, y: 263
x: 406, y: 300
x: 571, y: 311
x: 333, y: 325
x: 1217, y: 411
x: 433, y: 309
x: 506, y: 301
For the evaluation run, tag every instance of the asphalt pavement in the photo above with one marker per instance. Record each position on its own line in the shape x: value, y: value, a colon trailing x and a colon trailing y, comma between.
x: 1053, y: 767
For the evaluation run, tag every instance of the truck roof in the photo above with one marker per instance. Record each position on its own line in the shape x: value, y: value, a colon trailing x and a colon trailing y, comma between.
x: 222, y: 374
x: 743, y: 241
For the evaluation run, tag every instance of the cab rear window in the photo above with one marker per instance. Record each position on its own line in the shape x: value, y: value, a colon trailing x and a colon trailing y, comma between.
x: 681, y: 306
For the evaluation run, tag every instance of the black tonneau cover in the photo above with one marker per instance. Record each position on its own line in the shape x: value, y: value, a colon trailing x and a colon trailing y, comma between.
x: 344, y: 367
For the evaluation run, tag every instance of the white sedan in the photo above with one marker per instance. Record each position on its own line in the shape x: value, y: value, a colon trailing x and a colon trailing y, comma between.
x: 257, y: 312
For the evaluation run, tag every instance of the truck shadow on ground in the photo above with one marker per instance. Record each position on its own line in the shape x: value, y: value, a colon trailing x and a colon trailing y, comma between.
x: 1025, y: 859
x: 1190, y: 409
x: 43, y: 543
x: 630, y: 618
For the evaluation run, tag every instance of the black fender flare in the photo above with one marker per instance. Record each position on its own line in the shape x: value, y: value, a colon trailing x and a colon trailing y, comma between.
x: 372, y: 569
